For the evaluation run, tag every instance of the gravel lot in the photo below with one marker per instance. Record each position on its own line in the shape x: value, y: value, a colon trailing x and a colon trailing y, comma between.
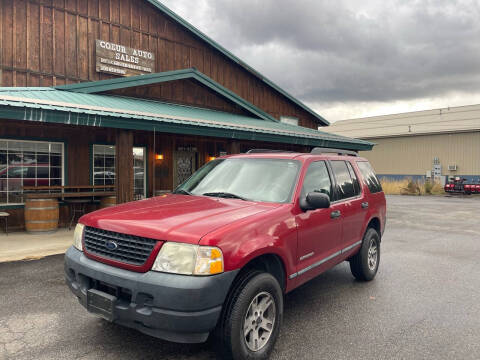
x: 424, y: 303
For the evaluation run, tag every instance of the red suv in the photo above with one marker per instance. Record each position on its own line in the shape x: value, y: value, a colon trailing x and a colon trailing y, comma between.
x: 218, y: 254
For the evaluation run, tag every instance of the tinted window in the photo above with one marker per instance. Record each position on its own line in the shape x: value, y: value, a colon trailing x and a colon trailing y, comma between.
x: 317, y: 179
x: 345, y: 187
x: 369, y: 176
x: 356, y: 184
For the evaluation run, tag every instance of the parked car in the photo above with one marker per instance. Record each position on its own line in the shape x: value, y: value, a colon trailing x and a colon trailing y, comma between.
x: 217, y: 255
x: 460, y: 185
x: 20, y: 175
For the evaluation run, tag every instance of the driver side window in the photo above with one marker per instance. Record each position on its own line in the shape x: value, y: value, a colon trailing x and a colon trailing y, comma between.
x: 317, y: 179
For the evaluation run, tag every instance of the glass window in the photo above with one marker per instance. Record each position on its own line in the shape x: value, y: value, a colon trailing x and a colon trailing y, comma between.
x: 356, y: 184
x: 345, y: 187
x: 291, y: 120
x: 269, y: 180
x: 104, y: 168
x: 139, y: 173
x: 369, y: 176
x: 28, y: 163
x: 103, y: 164
x: 317, y: 179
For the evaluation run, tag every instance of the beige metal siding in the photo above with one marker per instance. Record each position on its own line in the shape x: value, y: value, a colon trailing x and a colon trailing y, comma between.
x: 461, y: 118
x: 413, y: 155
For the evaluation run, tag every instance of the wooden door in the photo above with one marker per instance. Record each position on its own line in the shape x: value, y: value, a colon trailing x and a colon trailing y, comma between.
x: 184, y: 165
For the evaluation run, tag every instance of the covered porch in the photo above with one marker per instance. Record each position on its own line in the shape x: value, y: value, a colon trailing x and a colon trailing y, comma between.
x: 91, y: 135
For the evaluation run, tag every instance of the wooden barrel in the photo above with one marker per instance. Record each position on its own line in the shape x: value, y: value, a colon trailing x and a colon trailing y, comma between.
x: 41, y: 215
x: 108, y: 201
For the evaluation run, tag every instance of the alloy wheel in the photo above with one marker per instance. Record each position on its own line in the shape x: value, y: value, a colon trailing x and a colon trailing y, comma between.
x: 259, y: 321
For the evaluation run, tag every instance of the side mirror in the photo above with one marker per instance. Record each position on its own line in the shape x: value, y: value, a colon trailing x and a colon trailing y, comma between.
x: 315, y: 200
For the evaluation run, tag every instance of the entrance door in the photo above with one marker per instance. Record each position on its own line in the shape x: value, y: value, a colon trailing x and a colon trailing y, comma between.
x: 319, y: 232
x: 350, y: 198
x: 184, y: 165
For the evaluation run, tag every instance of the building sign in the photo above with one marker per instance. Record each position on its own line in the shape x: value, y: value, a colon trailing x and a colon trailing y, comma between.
x: 121, y: 60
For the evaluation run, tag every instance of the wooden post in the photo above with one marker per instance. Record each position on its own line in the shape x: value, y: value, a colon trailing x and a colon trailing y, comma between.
x: 233, y: 147
x: 124, y: 166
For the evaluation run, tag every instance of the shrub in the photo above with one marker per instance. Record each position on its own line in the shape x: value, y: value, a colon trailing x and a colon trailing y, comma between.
x: 412, y: 188
x: 391, y: 187
x: 437, y: 189
x: 428, y: 187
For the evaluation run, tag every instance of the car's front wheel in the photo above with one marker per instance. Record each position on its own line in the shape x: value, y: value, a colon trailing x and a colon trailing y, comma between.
x: 364, y: 265
x: 252, y: 317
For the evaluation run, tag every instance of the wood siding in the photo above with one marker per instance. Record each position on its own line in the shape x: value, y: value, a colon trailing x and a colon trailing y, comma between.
x: 52, y: 42
x: 186, y: 92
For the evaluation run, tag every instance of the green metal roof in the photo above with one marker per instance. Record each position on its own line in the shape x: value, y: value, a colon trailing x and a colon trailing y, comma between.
x: 149, y: 79
x: 55, y: 106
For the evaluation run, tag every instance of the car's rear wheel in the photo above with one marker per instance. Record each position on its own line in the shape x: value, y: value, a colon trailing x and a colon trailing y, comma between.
x: 364, y: 265
x: 252, y: 317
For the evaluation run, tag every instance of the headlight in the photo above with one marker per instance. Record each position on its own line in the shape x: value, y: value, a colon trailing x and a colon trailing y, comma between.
x: 78, y: 236
x: 189, y: 259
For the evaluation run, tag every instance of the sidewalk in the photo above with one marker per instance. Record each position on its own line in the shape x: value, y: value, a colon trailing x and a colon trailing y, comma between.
x: 25, y: 246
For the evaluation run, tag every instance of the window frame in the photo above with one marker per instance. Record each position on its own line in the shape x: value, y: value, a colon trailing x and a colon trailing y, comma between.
x: 145, y: 171
x: 63, y: 165
x: 352, y: 172
x: 145, y: 161
x: 330, y: 176
x: 92, y: 162
x: 364, y: 179
x: 337, y: 195
x: 286, y: 119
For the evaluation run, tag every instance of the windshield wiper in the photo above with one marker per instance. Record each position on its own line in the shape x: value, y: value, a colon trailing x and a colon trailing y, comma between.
x: 224, y: 195
x: 182, y: 191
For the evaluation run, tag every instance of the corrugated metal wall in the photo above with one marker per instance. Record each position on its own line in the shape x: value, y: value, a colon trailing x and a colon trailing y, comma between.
x: 413, y: 155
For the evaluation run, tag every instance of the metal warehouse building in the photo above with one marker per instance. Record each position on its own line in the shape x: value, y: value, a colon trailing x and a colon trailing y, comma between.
x: 438, y: 143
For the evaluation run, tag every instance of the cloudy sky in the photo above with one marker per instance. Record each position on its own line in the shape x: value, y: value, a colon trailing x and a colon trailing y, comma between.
x: 351, y: 58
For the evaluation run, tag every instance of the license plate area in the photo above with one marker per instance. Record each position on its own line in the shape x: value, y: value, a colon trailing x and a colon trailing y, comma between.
x: 101, y: 304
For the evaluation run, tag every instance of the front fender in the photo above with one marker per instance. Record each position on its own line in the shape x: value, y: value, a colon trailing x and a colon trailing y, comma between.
x: 275, y: 233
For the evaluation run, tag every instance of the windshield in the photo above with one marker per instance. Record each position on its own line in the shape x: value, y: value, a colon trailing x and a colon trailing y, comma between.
x: 270, y: 180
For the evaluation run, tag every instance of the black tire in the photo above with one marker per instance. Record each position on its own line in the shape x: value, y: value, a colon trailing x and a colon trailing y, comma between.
x: 359, y: 264
x: 230, y: 330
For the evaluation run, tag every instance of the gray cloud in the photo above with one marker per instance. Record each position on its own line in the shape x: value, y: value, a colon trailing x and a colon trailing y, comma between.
x: 348, y: 50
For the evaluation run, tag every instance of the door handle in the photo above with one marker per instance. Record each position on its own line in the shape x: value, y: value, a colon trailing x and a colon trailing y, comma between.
x: 335, y: 214
x: 365, y: 205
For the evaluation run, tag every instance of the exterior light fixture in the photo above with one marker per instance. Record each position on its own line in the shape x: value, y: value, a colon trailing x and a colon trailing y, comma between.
x: 159, y: 157
x: 210, y: 158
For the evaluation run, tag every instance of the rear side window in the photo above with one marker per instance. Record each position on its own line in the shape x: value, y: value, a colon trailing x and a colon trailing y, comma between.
x: 345, y: 184
x: 317, y: 179
x: 369, y: 176
x: 356, y: 184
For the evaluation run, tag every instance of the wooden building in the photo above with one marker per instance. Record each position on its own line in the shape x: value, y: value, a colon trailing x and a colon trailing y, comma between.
x: 126, y: 92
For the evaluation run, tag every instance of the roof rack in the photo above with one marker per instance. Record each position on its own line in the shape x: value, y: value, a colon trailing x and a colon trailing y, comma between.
x: 319, y: 150
x: 259, y: 151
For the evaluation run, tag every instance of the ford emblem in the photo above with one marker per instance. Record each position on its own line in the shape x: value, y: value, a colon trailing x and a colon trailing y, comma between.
x: 111, y: 245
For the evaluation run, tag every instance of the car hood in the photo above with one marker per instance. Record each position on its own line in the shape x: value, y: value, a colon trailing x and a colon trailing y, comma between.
x: 172, y: 217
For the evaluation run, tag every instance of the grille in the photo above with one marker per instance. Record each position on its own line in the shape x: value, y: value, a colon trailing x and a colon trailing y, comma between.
x: 131, y: 249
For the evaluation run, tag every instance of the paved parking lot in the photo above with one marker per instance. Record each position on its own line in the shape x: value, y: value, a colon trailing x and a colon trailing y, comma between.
x: 424, y: 303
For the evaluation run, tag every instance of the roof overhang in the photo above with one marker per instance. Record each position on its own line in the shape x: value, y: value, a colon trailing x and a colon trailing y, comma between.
x: 49, y: 105
x: 95, y: 87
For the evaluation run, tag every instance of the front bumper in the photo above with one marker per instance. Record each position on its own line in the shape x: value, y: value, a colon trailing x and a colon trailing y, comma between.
x: 172, y: 307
